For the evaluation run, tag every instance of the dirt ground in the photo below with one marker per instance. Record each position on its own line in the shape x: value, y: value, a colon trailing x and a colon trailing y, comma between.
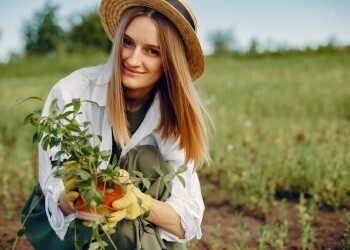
x: 220, y: 226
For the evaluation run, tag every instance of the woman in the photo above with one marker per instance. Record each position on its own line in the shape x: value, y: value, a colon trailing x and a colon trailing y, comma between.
x: 149, y: 113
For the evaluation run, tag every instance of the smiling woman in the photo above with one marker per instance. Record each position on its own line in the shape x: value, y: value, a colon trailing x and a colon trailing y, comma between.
x: 141, y: 61
x: 149, y: 115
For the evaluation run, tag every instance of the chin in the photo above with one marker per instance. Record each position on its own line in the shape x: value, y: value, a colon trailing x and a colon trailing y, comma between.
x: 129, y: 83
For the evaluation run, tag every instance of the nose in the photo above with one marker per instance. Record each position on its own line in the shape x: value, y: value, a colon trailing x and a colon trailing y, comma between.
x: 134, y: 58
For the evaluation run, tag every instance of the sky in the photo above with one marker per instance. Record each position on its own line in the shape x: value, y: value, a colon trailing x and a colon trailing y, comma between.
x: 294, y: 23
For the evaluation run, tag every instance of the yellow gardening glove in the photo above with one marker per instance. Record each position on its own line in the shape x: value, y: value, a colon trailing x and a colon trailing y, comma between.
x: 128, y: 206
x: 70, y: 185
x: 114, y: 219
x: 134, y: 201
x: 111, y: 221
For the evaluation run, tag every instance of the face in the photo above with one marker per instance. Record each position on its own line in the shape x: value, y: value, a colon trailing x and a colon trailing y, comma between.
x: 141, y: 59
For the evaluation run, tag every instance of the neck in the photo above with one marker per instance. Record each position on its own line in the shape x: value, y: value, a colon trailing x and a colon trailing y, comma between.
x: 134, y: 104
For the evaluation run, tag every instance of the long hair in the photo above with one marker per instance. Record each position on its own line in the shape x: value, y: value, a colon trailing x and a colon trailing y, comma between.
x: 182, y: 111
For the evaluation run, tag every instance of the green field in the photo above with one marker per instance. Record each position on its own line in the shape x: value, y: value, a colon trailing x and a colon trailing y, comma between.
x: 282, y: 127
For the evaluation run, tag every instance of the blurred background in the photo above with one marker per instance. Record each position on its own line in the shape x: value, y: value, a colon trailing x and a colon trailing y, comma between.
x: 277, y: 83
x: 263, y: 25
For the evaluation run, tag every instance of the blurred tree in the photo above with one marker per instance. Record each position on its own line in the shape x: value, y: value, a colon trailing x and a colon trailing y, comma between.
x: 330, y: 47
x: 42, y: 33
x: 222, y: 41
x: 253, y: 47
x: 87, y: 33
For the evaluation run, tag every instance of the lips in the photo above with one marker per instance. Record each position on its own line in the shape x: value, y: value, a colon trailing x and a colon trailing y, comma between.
x: 130, y: 70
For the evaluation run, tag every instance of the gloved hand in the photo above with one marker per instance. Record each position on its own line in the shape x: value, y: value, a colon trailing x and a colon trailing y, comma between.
x: 133, y: 204
x: 70, y: 184
x: 69, y: 187
x: 68, y: 196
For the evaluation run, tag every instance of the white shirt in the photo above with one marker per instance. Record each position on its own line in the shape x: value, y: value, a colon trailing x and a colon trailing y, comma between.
x: 91, y: 84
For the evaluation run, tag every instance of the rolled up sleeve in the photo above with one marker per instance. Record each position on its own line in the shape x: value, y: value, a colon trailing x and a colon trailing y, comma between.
x: 187, y: 201
x: 52, y: 186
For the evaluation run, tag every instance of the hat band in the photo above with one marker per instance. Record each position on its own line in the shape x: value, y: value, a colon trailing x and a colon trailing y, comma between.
x: 177, y: 5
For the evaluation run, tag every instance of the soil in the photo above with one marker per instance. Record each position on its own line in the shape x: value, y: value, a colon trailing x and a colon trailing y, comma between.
x: 220, y: 226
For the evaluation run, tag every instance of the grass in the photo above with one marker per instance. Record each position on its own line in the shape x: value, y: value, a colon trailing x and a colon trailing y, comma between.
x: 282, y: 126
x: 18, y: 80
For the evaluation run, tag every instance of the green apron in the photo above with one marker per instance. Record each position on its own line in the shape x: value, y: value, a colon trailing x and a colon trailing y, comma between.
x: 139, y: 233
x: 131, y: 234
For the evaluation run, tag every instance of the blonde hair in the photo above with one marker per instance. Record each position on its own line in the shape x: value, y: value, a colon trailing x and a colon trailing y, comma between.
x: 182, y: 111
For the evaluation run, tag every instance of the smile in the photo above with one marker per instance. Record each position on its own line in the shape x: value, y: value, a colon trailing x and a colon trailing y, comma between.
x: 131, y: 71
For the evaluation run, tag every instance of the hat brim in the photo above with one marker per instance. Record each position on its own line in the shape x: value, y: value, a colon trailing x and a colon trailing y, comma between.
x: 111, y: 12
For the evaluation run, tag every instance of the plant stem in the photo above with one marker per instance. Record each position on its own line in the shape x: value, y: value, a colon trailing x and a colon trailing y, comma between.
x: 25, y: 220
x: 110, y: 239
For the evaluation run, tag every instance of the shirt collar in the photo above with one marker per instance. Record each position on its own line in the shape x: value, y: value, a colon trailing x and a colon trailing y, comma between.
x: 101, y: 85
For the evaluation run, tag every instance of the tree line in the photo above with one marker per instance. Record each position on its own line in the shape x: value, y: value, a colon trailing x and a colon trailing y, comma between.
x: 43, y: 35
x: 224, y: 43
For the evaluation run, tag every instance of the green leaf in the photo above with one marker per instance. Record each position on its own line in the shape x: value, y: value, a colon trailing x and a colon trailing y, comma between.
x: 76, y: 105
x: 71, y: 138
x: 114, y: 161
x: 72, y: 127
x: 167, y: 186
x: 146, y: 183
x: 138, y: 173
x: 171, y: 168
x: 84, y: 175
x: 27, y: 119
x: 36, y: 136
x: 58, y: 155
x: 67, y: 105
x: 65, y: 115
x: 168, y: 177
x: 34, y: 121
x: 38, y: 112
x: 54, y: 142
x: 181, y: 169
x: 45, y: 142
x: 99, y: 196
x: 86, y: 123
x: 53, y: 106
x: 159, y: 171
x: 105, y: 153
x: 181, y: 179
x: 94, y: 245
x: 12, y: 240
x: 21, y: 232
x: 33, y: 98
x: 72, y: 225
x: 84, y: 186
x: 92, y: 102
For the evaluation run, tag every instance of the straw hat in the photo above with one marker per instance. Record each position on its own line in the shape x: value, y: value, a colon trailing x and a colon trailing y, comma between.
x: 177, y: 11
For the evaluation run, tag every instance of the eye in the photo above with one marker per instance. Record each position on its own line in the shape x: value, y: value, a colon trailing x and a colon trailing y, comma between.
x: 127, y: 42
x: 154, y: 52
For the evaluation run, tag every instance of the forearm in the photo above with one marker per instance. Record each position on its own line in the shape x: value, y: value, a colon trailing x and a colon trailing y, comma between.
x: 164, y: 216
x: 64, y: 205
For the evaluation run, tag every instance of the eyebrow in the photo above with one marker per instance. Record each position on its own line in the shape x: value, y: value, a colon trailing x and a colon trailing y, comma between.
x: 149, y: 45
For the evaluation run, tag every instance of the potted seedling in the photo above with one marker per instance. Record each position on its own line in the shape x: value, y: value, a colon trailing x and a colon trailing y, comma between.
x: 78, y: 156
